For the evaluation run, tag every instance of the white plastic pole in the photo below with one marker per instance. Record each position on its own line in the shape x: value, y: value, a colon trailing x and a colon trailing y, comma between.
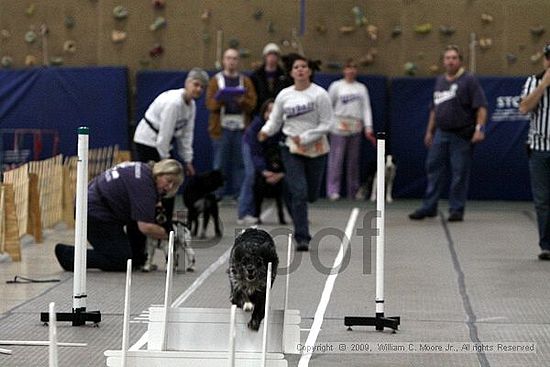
x: 79, y: 281
x: 266, y: 316
x: 39, y: 343
x: 5, y: 351
x: 126, y: 321
x: 288, y: 258
x: 168, y: 290
x: 232, y: 334
x: 287, y: 285
x: 380, y: 208
x: 53, y: 336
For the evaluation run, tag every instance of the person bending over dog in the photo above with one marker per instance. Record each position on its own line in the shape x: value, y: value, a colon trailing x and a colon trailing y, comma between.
x: 124, y: 197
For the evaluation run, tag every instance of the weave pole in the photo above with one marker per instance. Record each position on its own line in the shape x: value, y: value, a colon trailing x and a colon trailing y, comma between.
x: 53, y: 361
x: 79, y: 316
x: 126, y: 320
x: 379, y: 321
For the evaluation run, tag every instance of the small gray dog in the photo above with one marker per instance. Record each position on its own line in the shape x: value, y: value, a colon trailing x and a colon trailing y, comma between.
x: 184, y: 255
x: 389, y: 176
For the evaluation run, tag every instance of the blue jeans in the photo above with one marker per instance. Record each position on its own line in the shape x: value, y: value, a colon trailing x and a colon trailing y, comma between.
x: 228, y: 158
x: 448, y: 153
x: 246, y: 197
x: 303, y: 178
x: 539, y: 168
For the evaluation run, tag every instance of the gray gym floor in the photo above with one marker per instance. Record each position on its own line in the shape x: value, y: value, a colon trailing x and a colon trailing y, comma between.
x: 474, y: 283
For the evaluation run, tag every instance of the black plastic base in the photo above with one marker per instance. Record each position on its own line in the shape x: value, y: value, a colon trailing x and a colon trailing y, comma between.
x: 78, y: 317
x: 379, y: 321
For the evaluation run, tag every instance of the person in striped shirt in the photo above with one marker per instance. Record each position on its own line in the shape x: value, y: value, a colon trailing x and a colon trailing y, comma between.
x: 535, y: 100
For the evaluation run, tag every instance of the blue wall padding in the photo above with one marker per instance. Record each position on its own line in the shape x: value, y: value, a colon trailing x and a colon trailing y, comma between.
x: 65, y: 98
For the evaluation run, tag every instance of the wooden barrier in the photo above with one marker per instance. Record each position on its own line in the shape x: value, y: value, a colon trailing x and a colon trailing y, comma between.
x: 39, y: 201
x: 69, y: 189
x: 101, y: 159
x: 50, y: 180
x: 19, y: 179
x: 34, y: 225
x: 9, y: 228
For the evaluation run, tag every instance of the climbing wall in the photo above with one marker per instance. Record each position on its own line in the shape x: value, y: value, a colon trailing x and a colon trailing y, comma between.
x: 388, y: 37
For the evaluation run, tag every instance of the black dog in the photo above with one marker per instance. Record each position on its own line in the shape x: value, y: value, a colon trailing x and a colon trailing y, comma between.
x: 198, y: 197
x: 263, y: 189
x: 252, y: 251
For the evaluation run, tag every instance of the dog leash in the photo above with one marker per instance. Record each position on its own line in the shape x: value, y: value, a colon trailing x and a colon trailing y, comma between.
x: 24, y: 280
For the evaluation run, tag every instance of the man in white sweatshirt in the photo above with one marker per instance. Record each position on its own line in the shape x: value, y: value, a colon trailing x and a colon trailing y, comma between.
x: 352, y: 115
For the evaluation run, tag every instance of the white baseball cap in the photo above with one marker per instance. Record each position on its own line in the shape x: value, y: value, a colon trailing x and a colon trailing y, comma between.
x: 271, y: 48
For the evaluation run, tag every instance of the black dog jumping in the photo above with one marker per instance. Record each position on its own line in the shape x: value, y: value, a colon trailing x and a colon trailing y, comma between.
x: 253, y: 250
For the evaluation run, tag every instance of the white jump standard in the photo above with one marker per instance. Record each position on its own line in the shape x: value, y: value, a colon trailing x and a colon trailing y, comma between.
x: 79, y: 316
x: 379, y: 321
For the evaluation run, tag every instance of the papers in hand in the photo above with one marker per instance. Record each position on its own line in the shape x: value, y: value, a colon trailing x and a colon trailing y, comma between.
x: 228, y: 93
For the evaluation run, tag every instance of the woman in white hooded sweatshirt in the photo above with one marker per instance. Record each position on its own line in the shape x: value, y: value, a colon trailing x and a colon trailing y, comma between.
x: 304, y: 111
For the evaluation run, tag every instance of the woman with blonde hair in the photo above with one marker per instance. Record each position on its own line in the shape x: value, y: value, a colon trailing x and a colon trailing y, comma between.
x: 121, y: 213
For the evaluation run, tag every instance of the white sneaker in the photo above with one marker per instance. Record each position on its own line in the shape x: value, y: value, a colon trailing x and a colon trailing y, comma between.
x: 247, y: 220
x: 334, y: 197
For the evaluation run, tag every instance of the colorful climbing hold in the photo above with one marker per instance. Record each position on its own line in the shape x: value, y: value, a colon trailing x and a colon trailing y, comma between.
x: 360, y: 18
x: 30, y: 60
x: 206, y: 14
x: 396, y: 31
x: 485, y: 43
x: 486, y: 18
x: 6, y: 62
x: 30, y: 10
x: 372, y: 31
x: 423, y: 28
x: 160, y: 22
x: 159, y: 4
x: 30, y: 37
x: 56, y: 61
x: 258, y: 14
x: 69, y: 46
x: 410, y: 68
x: 120, y: 12
x: 156, y: 51
x: 118, y: 36
x: 346, y: 29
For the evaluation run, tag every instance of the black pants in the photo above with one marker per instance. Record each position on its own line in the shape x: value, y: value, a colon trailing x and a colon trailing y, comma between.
x: 112, y: 247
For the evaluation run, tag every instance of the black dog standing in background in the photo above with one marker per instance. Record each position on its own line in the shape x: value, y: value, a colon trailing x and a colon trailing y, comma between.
x: 262, y: 189
x: 198, y: 197
x: 253, y: 250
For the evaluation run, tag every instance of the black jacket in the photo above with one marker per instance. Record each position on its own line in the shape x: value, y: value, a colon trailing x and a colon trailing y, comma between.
x: 264, y: 90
